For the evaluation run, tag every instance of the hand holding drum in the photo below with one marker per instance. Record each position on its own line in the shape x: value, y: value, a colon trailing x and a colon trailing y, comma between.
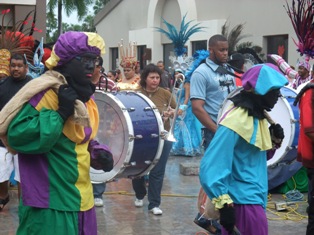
x: 276, y: 131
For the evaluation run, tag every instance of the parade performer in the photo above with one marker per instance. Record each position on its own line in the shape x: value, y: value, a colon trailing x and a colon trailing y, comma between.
x: 187, y: 129
x: 233, y: 171
x: 130, y: 80
x: 150, y: 80
x: 304, y: 75
x: 301, y: 15
x: 60, y: 119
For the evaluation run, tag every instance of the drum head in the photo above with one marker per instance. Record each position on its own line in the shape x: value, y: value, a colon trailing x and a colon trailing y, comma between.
x: 115, y: 126
x: 283, y: 114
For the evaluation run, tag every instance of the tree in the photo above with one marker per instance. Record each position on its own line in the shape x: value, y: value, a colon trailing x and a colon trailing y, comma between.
x: 81, y: 6
x: 51, y: 34
x: 99, y: 4
x: 88, y: 24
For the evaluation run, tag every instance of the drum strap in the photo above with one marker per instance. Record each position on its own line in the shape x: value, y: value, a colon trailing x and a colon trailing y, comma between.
x: 222, y: 70
x: 303, y: 90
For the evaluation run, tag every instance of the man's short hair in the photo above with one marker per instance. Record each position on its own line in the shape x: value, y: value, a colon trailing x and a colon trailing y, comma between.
x: 214, y: 39
x: 18, y: 57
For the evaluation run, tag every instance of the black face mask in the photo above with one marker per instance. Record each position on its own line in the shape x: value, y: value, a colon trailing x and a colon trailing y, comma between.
x: 270, y: 99
x: 75, y: 74
x: 256, y: 104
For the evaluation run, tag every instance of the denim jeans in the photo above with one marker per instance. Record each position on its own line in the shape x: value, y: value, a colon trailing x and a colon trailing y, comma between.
x: 155, y: 179
x: 98, y: 190
x: 208, y: 136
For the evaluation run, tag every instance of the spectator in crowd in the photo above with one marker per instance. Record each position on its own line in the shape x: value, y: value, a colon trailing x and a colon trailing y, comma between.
x: 166, y: 78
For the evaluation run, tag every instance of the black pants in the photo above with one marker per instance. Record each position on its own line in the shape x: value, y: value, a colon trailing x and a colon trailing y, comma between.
x: 310, y: 226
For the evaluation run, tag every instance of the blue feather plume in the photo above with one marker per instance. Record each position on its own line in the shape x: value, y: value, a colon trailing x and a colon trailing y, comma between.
x: 181, y: 37
x: 198, y: 58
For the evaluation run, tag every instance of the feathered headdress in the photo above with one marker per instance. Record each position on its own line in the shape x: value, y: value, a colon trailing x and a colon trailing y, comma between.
x: 302, y: 17
x: 37, y: 68
x: 18, y: 39
x: 5, y: 56
x: 181, y: 37
x: 198, y: 58
x: 128, y: 55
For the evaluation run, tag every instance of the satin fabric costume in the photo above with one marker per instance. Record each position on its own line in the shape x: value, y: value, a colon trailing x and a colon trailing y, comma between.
x: 187, y: 132
x: 55, y: 154
x: 234, y: 166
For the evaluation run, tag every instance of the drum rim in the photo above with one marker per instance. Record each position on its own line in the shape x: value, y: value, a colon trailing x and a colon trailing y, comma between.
x: 271, y: 161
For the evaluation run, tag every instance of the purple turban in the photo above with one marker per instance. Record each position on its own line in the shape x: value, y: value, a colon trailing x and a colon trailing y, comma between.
x: 262, y: 78
x: 71, y: 44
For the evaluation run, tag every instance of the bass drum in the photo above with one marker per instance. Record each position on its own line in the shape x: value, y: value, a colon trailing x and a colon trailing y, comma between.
x: 282, y: 165
x: 287, y: 116
x: 130, y: 125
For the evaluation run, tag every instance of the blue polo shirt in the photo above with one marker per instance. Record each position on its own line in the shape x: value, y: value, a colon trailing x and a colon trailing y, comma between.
x: 211, y: 86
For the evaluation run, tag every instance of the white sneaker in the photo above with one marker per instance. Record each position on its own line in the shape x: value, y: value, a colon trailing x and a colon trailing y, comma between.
x: 156, y: 211
x: 138, y: 203
x: 98, y: 202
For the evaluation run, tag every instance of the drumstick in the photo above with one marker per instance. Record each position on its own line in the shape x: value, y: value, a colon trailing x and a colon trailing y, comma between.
x: 269, y: 119
x: 271, y: 122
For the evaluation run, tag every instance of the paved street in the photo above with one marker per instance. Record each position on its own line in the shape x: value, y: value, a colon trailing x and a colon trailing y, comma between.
x: 119, y: 216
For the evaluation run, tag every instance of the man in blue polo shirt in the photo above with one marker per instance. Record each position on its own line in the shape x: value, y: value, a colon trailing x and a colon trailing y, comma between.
x: 211, y: 83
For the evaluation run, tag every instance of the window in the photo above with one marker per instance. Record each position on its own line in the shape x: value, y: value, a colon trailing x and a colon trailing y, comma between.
x: 140, y: 56
x: 199, y: 45
x: 277, y: 45
x: 114, y: 58
x: 168, y: 51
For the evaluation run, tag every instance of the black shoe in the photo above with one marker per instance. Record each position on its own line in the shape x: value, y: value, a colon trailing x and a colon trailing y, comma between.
x: 212, y: 226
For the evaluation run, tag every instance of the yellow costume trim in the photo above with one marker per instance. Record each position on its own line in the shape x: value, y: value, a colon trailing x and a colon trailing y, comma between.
x: 221, y: 201
x: 128, y: 86
x: 95, y: 40
x: 253, y: 130
x: 5, y: 56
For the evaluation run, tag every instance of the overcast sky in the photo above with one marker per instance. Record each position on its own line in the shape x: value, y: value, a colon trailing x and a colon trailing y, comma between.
x: 72, y: 19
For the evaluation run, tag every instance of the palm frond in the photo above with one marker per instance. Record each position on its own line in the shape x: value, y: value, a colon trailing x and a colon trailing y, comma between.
x: 179, y: 38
